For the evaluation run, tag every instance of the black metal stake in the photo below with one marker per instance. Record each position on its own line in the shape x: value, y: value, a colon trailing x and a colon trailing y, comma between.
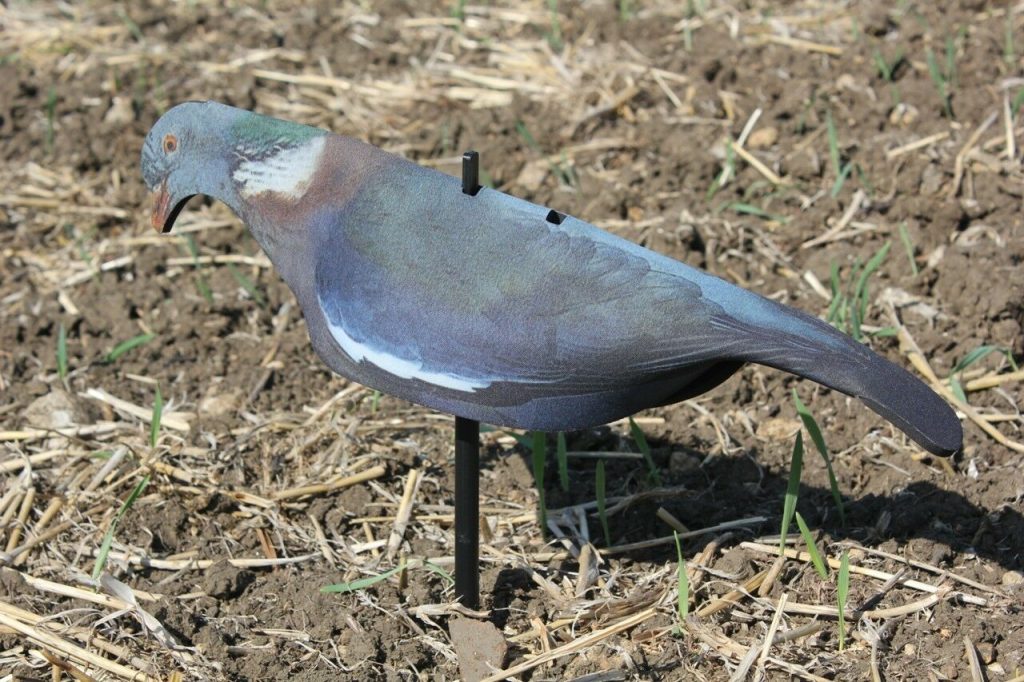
x: 470, y: 173
x: 467, y: 465
x: 467, y: 512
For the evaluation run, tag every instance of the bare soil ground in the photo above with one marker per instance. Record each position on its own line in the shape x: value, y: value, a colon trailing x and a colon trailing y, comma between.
x: 839, y: 127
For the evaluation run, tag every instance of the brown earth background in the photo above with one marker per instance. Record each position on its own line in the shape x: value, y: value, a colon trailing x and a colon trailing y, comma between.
x: 765, y: 142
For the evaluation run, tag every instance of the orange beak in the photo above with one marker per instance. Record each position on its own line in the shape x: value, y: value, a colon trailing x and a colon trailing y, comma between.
x: 161, y: 208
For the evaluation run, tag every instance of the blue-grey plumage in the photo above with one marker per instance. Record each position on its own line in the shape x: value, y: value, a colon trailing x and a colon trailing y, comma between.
x: 486, y: 307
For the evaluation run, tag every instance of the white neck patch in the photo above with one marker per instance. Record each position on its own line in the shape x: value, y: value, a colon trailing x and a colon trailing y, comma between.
x: 289, y: 172
x: 401, y: 367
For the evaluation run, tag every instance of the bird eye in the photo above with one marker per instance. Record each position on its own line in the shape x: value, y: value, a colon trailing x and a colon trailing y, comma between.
x: 170, y: 143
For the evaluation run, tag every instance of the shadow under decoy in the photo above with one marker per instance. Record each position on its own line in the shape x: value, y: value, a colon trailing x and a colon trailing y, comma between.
x: 919, y: 519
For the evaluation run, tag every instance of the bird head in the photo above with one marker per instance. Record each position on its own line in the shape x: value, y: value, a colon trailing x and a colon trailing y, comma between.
x: 184, y: 156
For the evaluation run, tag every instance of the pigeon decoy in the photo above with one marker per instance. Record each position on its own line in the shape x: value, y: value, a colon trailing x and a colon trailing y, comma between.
x: 490, y: 307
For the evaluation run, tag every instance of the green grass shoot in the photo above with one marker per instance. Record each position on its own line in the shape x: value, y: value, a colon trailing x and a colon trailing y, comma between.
x: 140, y: 88
x: 645, y: 449
x: 1018, y: 100
x: 849, y: 305
x: 1009, y: 49
x: 527, y: 136
x: 130, y: 24
x: 563, y: 171
x: 539, y: 449
x: 691, y: 12
x: 728, y: 171
x: 555, y: 31
x: 125, y: 346
x: 159, y: 97
x: 602, y: 511
x: 51, y: 115
x: 812, y: 547
x: 682, y: 583
x: 434, y: 568
x: 108, y: 537
x: 247, y: 284
x: 566, y: 171
x: 750, y: 209
x: 833, y: 136
x: 844, y: 173
x: 625, y: 10
x: 81, y: 240
x: 951, y: 74
x: 941, y: 82
x: 459, y: 10
x: 839, y: 170
x: 796, y: 463
x: 976, y: 355
x: 562, y: 456
x: 861, y: 293
x: 865, y: 181
x: 62, y: 354
x: 887, y: 70
x: 362, y: 583
x: 819, y: 443
x: 201, y: 283
x: 158, y: 412
x: 842, y: 594
x: 908, y: 246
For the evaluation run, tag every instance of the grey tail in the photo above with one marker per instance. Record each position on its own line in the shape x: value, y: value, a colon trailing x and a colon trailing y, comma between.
x: 821, y: 353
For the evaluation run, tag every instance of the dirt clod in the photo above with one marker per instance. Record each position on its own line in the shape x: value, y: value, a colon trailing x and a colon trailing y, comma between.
x: 480, y: 647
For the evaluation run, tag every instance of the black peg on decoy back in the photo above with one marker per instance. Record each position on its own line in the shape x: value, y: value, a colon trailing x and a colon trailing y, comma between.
x: 470, y: 173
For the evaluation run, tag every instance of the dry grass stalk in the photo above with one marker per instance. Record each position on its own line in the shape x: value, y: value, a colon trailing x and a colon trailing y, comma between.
x: 221, y: 259
x: 836, y: 231
x: 9, y: 557
x: 73, y: 651
x: 51, y: 511
x: 862, y: 570
x: 674, y: 523
x: 931, y: 568
x: 772, y: 629
x: 926, y: 141
x: 993, y: 381
x: 412, y: 484
x: 65, y: 667
x: 757, y: 164
x: 1010, y: 149
x: 773, y: 574
x: 973, y: 662
x: 733, y: 597
x: 804, y: 45
x: 909, y: 346
x: 670, y: 539
x: 97, y: 430
x: 170, y: 420
x: 319, y: 489
x: 576, y: 645
x: 202, y: 564
x: 82, y: 634
x: 958, y: 165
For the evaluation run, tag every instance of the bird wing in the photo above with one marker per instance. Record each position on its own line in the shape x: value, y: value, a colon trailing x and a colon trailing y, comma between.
x: 468, y: 292
x: 486, y: 298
